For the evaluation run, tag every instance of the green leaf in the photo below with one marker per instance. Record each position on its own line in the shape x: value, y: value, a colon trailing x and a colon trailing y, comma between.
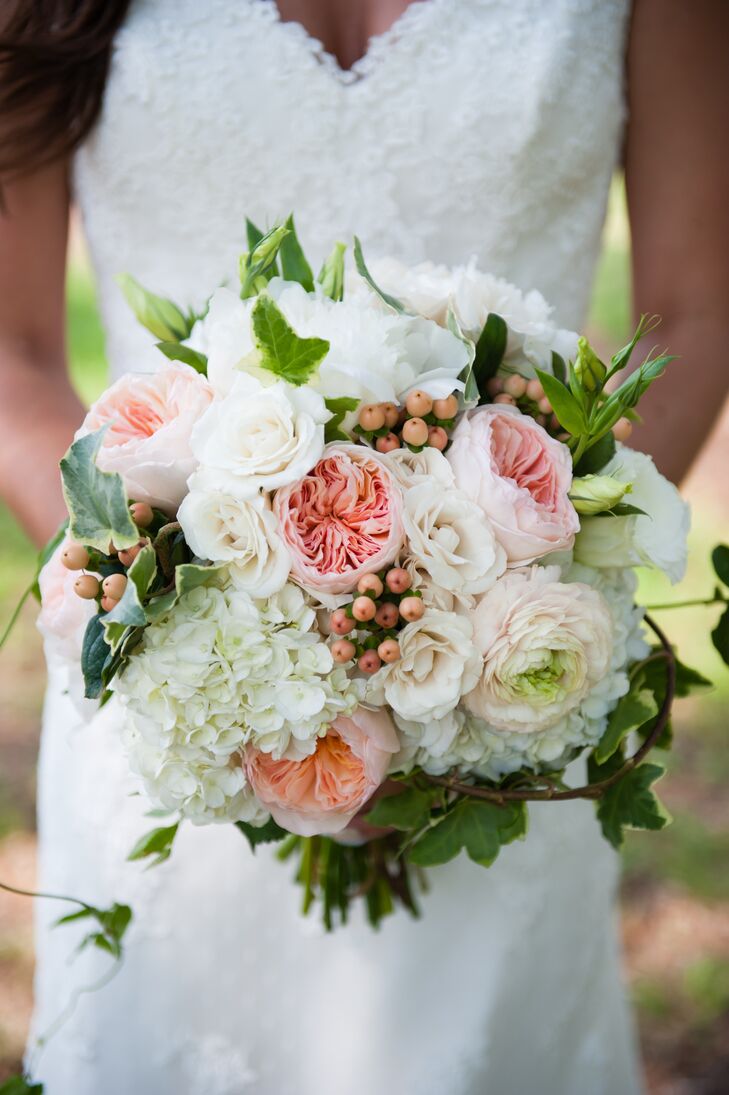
x: 282, y: 352
x: 258, y: 266
x: 94, y: 652
x: 720, y: 561
x: 331, y: 275
x: 261, y: 834
x: 565, y: 406
x: 631, y: 804
x: 466, y: 376
x: 628, y: 394
x: 294, y: 266
x: 129, y: 611
x: 559, y: 368
x: 720, y: 637
x: 158, y: 314
x: 490, y: 350
x: 646, y: 324
x: 339, y: 408
x: 96, y: 500
x: 689, y: 681
x: 254, y: 235
x: 478, y: 826
x: 191, y: 575
x: 623, y: 509
x: 177, y: 351
x: 392, y: 302
x: 20, y: 1085
x: 408, y: 810
x: 597, y: 456
x: 157, y: 843
x: 632, y: 712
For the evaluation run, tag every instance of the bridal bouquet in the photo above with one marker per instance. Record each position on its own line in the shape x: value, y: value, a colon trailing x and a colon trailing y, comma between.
x: 357, y: 568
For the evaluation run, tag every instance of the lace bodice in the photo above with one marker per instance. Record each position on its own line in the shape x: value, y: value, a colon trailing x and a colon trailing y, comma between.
x: 481, y: 127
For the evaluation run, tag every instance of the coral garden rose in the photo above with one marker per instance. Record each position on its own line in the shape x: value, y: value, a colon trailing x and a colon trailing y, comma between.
x: 520, y: 477
x: 64, y: 615
x: 544, y: 645
x: 342, y: 520
x: 323, y: 792
x: 150, y: 419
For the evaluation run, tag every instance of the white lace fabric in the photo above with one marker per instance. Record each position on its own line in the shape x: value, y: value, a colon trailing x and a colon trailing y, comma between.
x: 481, y: 127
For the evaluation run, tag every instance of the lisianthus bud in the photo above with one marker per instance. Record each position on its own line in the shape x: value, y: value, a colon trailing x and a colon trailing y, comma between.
x: 591, y: 494
x: 588, y: 367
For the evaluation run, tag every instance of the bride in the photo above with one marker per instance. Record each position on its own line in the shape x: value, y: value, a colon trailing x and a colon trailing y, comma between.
x: 436, y: 129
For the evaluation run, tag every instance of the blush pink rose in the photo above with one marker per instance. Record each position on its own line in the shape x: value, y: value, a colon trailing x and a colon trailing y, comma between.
x: 520, y: 477
x: 321, y: 794
x: 64, y: 615
x: 150, y: 418
x: 342, y: 520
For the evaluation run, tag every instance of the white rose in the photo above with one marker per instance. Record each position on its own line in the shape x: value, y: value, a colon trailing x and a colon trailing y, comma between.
x: 544, y: 645
x: 450, y: 538
x: 658, y: 539
x: 243, y: 533
x: 438, y: 663
x: 428, y: 465
x: 260, y: 438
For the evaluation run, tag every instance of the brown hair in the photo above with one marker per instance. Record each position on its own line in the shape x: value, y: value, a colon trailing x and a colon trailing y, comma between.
x: 54, y: 60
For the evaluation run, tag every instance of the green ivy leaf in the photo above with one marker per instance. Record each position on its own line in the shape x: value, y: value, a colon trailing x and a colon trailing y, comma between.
x: 158, y: 314
x: 564, y: 404
x: 720, y: 637
x: 339, y: 408
x: 130, y: 611
x: 489, y: 352
x: 96, y: 500
x: 632, y: 804
x: 177, y: 351
x: 408, y: 810
x: 720, y: 561
x: 294, y: 266
x: 157, y: 843
x: 282, y: 352
x: 359, y: 262
x: 94, y: 653
x: 261, y: 834
x: 632, y: 712
x: 478, y: 826
x: 331, y: 275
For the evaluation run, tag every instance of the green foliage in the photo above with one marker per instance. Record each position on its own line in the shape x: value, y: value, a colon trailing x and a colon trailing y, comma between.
x: 112, y: 924
x: 490, y: 350
x: 408, y: 810
x: 597, y: 456
x: 130, y: 612
x: 478, y: 826
x: 159, y: 315
x: 294, y: 266
x: 720, y: 562
x: 339, y: 408
x: 259, y: 264
x: 589, y: 369
x: 331, y: 275
x: 94, y: 654
x: 720, y: 634
x: 177, y: 351
x: 96, y: 500
x: 630, y: 803
x: 20, y: 1085
x: 261, y: 834
x: 281, y: 350
x: 157, y: 843
x: 633, y: 711
x: 390, y: 301
x: 565, y: 404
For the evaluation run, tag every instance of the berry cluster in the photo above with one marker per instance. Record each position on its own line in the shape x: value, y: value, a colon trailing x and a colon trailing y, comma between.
x: 385, y: 603
x: 422, y: 422
x: 111, y: 588
x: 529, y: 397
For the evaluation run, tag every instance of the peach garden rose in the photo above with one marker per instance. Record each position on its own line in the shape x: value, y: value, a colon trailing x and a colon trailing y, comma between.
x: 150, y: 418
x: 322, y: 793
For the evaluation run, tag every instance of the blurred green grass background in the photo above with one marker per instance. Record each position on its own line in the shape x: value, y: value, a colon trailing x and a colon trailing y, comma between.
x: 676, y: 883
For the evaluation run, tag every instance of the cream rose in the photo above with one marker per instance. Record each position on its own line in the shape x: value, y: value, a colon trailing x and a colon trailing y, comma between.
x: 544, y: 645
x: 260, y: 437
x: 438, y: 663
x: 240, y: 532
x: 520, y: 477
x: 150, y: 420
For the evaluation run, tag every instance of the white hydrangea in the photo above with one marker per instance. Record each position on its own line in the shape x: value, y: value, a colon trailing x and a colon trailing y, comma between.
x: 219, y: 670
x: 466, y: 743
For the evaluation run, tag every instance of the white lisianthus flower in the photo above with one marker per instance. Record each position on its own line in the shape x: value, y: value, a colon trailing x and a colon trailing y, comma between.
x: 240, y: 532
x: 227, y: 336
x: 427, y: 466
x: 544, y: 645
x: 451, y: 539
x: 218, y: 671
x: 260, y: 437
x: 438, y: 663
x: 656, y: 538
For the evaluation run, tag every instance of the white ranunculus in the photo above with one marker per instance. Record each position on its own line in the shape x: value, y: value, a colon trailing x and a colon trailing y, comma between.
x: 544, y: 643
x: 656, y: 539
x: 260, y: 437
x: 438, y: 663
x: 451, y: 539
x: 240, y: 532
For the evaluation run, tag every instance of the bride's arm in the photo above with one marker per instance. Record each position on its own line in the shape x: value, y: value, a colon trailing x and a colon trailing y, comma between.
x: 677, y: 178
x: 38, y: 409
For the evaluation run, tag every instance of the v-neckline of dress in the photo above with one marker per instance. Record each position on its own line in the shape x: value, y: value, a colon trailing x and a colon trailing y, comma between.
x: 377, y: 48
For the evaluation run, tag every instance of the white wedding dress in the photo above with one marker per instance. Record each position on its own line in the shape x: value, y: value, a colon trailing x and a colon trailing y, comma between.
x: 472, y: 126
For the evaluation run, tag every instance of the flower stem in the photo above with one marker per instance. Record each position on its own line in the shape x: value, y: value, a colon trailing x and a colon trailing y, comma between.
x: 688, y: 604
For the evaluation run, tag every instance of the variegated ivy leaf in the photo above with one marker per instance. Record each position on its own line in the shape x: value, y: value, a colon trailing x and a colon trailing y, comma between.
x: 390, y: 301
x: 96, y: 500
x: 281, y: 350
x: 130, y: 610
